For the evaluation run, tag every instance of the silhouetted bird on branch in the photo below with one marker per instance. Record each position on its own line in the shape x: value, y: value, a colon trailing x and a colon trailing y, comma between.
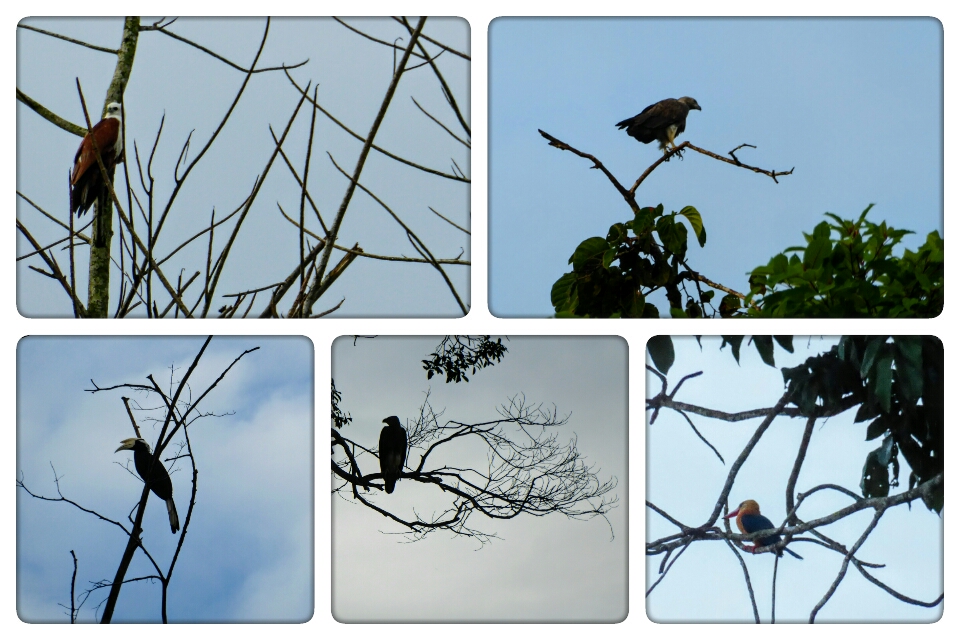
x: 159, y: 481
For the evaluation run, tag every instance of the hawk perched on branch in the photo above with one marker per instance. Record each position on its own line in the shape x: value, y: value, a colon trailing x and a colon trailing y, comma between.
x: 662, y: 121
x: 393, y: 452
x: 86, y: 181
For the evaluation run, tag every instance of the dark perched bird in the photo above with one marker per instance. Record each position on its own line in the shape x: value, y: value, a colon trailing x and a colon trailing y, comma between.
x: 662, y: 121
x: 393, y: 452
x: 750, y: 520
x: 159, y: 478
x: 86, y: 181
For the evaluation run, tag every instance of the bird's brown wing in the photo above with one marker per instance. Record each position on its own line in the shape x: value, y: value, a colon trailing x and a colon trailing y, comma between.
x: 662, y: 114
x: 105, y: 133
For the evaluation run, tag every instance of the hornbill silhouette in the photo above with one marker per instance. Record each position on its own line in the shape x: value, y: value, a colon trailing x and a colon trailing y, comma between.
x: 159, y: 479
x: 393, y: 452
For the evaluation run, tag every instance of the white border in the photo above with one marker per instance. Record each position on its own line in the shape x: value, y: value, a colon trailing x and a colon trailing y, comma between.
x: 323, y: 332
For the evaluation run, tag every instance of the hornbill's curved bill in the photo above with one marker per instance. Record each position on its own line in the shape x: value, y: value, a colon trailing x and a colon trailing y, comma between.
x: 159, y: 478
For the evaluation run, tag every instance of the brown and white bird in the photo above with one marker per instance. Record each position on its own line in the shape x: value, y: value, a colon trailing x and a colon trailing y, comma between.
x: 662, y: 121
x: 159, y: 478
x: 86, y: 181
x: 393, y: 452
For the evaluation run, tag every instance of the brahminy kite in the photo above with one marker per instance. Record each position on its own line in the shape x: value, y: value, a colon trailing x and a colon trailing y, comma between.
x: 662, y: 121
x: 86, y: 182
x: 393, y: 452
x: 749, y: 520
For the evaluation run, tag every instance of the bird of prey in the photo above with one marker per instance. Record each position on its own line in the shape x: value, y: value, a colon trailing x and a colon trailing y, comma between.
x: 393, y: 452
x: 159, y: 481
x: 86, y: 181
x: 750, y: 520
x: 662, y: 121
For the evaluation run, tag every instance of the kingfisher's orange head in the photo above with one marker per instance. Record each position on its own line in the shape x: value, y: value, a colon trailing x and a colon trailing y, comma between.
x: 746, y: 507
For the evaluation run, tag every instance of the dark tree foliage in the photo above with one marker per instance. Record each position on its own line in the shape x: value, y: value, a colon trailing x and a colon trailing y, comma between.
x: 645, y: 262
x: 455, y: 354
x: 339, y: 417
x: 897, y: 383
x: 848, y: 270
x: 613, y: 276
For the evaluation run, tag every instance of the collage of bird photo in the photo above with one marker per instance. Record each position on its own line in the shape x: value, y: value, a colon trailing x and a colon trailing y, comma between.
x: 701, y: 267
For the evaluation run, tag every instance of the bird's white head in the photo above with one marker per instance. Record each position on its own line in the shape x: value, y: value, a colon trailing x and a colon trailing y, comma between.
x: 113, y: 110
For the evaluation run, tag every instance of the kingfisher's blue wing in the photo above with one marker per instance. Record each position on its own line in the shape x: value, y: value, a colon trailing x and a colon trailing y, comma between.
x: 756, y: 522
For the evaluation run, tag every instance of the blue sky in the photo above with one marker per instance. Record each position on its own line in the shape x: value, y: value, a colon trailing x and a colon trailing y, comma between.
x: 248, y: 554
x: 193, y: 91
x: 684, y: 478
x: 541, y: 569
x: 856, y: 105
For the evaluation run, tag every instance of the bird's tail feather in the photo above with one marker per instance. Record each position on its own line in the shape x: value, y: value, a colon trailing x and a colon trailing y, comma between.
x: 174, y: 518
x: 795, y: 555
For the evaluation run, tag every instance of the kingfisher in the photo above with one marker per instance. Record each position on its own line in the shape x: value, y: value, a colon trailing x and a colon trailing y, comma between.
x: 749, y: 520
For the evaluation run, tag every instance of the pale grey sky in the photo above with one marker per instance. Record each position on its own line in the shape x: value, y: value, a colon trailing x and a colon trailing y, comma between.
x: 193, y: 91
x: 548, y: 569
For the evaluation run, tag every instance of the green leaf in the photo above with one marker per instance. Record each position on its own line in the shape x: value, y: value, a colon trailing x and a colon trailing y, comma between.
x: 673, y: 235
x: 696, y: 222
x: 935, y: 501
x: 875, y: 482
x: 865, y: 412
x: 779, y: 265
x: 909, y: 362
x: 887, y: 452
x: 734, y: 342
x: 661, y: 352
x: 786, y: 342
x: 589, y: 248
x: 764, y: 346
x: 877, y: 428
x: 881, y: 381
x: 819, y: 246
x: 643, y: 222
x: 729, y: 304
x: 870, y: 355
x: 617, y: 233
x: 560, y: 293
x: 609, y: 256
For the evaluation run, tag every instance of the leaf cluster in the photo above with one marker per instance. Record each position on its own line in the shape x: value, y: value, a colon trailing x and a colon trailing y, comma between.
x: 339, y: 417
x: 899, y: 386
x: 896, y: 382
x: 613, y: 276
x: 663, y: 355
x: 455, y: 354
x: 847, y: 269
